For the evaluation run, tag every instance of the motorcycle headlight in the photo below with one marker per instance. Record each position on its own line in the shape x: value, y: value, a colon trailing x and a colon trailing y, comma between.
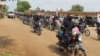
x: 80, y: 38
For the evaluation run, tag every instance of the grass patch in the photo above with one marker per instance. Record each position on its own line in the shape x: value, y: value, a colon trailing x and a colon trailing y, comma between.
x: 7, y: 54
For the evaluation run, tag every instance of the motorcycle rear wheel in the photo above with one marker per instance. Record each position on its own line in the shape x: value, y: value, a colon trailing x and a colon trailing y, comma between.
x: 87, y: 32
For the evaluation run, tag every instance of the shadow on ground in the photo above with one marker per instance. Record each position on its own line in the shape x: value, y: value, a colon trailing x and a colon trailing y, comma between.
x: 55, y: 49
x: 95, y: 39
x: 32, y: 31
x: 6, y: 42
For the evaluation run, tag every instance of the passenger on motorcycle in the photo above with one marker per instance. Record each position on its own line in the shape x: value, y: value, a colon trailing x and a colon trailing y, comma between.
x: 54, y: 22
x: 68, y: 30
x: 82, y: 25
x: 76, y: 33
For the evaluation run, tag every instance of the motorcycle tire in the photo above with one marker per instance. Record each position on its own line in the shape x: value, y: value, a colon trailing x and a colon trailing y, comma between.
x: 87, y: 32
x: 39, y: 31
x: 82, y: 51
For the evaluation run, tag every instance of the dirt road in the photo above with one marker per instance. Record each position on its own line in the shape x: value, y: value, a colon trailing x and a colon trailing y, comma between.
x: 19, y: 39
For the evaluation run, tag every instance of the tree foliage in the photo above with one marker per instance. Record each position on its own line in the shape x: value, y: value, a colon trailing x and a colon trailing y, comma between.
x: 23, y: 5
x: 42, y: 10
x: 77, y: 7
x: 38, y: 9
x: 5, y: 8
x: 61, y: 9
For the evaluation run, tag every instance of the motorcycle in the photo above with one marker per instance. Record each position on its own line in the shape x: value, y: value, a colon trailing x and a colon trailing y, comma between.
x: 98, y: 33
x: 84, y: 30
x: 37, y: 27
x: 46, y: 23
x: 54, y: 26
x: 74, y: 48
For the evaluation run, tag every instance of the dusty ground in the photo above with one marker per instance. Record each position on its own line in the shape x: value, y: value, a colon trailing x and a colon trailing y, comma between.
x: 19, y: 39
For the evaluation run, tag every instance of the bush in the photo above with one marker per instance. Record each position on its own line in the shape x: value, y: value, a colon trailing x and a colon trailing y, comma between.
x: 7, y: 54
x: 2, y: 15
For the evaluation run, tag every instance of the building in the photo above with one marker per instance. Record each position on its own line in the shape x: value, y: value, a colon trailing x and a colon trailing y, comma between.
x: 94, y: 14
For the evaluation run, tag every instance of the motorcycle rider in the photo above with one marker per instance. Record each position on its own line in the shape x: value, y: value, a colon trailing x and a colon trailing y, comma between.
x: 98, y: 27
x: 98, y: 22
x: 67, y: 30
x: 36, y: 20
x: 46, y: 20
x: 54, y: 22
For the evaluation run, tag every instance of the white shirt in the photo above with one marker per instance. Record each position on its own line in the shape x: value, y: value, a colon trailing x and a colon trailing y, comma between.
x: 98, y: 20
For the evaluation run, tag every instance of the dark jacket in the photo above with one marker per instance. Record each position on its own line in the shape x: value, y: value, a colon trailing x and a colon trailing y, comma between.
x: 36, y: 18
x: 68, y: 24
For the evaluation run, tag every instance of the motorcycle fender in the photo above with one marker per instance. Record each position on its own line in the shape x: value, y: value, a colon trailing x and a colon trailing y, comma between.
x: 83, y: 49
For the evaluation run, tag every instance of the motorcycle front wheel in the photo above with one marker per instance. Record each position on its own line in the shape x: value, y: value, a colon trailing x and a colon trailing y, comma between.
x: 39, y: 31
x: 80, y: 52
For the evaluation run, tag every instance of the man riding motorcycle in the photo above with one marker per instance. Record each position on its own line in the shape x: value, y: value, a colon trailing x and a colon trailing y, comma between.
x: 66, y: 41
x: 98, y: 28
x: 36, y: 22
x: 66, y: 31
x: 54, y: 22
x: 46, y: 21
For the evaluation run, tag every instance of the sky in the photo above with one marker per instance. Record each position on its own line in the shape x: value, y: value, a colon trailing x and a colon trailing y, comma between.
x: 89, y: 5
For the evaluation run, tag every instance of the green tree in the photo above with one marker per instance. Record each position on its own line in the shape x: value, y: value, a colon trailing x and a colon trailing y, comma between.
x: 38, y: 9
x: 23, y: 5
x: 5, y: 8
x: 61, y: 9
x: 43, y: 10
x: 2, y: 0
x: 77, y: 7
